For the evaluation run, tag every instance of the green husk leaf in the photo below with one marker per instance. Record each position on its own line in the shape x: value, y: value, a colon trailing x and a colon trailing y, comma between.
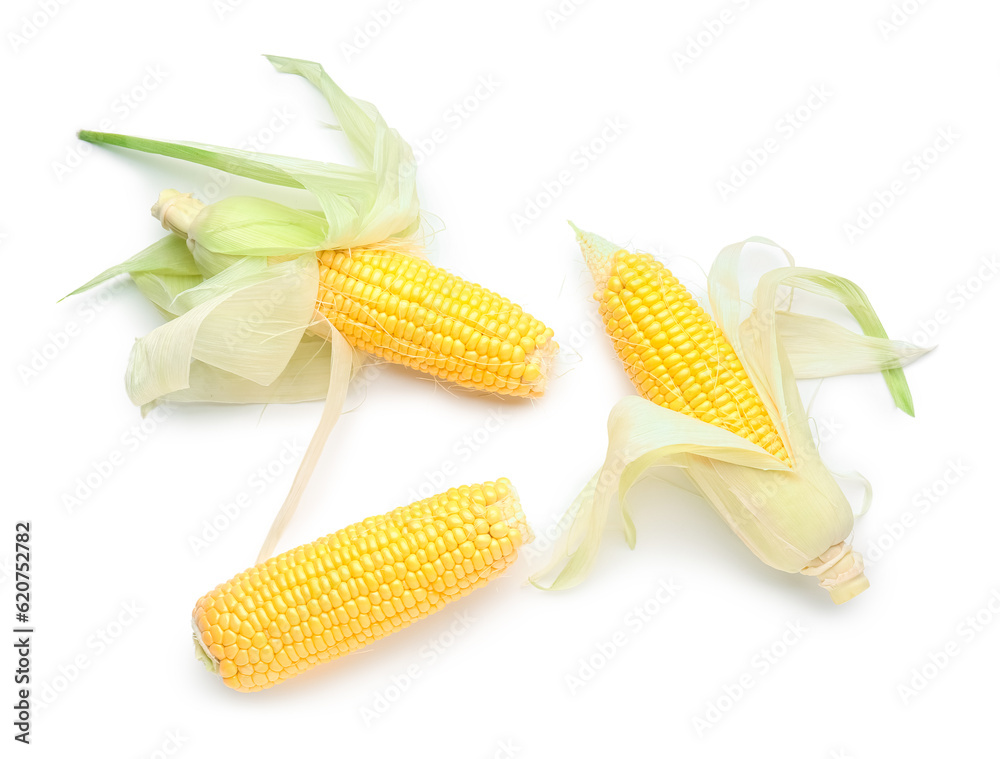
x: 845, y: 292
x: 283, y: 171
x: 394, y: 212
x: 249, y: 226
x: 253, y: 227
x: 726, y: 301
x: 162, y: 289
x: 361, y: 205
x: 169, y: 254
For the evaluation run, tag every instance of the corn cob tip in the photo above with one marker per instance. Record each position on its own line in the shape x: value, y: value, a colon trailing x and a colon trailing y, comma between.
x: 542, y: 358
x: 599, y: 255
x: 841, y: 571
x: 201, y: 653
x: 510, y: 508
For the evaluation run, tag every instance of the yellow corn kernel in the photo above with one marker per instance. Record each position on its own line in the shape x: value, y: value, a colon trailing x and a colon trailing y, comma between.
x: 347, y: 606
x: 404, y: 310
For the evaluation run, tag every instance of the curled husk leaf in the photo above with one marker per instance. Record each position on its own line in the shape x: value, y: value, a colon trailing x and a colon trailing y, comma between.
x: 793, y: 517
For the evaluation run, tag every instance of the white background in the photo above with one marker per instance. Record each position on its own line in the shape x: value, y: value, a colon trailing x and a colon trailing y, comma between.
x: 501, y: 687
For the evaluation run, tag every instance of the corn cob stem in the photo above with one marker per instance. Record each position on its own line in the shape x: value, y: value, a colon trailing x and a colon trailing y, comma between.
x: 841, y: 571
x: 175, y: 211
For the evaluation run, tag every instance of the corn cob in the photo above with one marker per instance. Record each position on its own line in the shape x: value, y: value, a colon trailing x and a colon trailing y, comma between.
x: 392, y: 303
x: 341, y: 592
x: 771, y: 487
x: 402, y: 309
x: 674, y: 353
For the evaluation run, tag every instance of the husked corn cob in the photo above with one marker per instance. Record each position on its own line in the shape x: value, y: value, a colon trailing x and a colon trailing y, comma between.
x: 343, y: 591
x: 674, y: 353
x: 401, y: 308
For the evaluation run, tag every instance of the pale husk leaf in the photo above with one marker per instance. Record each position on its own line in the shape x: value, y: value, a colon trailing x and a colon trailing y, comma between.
x: 306, y: 377
x: 169, y: 254
x: 222, y: 323
x: 819, y: 347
